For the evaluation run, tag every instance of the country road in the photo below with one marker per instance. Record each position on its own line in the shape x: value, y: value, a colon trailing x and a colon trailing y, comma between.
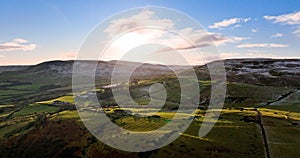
x: 263, y: 131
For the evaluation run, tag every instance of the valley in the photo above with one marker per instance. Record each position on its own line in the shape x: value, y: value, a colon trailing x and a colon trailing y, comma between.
x: 260, y: 117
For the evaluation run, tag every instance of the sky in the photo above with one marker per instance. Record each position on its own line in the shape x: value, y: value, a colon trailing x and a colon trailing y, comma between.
x: 35, y: 31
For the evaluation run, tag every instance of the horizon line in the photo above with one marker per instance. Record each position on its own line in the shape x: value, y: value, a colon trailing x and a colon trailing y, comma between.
x: 240, y: 58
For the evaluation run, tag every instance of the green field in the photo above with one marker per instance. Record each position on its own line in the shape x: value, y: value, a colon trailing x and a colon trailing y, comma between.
x: 283, y: 138
x: 13, y: 92
x: 67, y: 98
x: 26, y: 87
x: 221, y: 141
x: 35, y: 109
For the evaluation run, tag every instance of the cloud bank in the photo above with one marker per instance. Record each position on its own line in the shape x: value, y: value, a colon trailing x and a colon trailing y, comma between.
x: 288, y: 19
x: 277, y: 35
x: 262, y: 45
x: 199, y: 37
x: 17, y: 45
x: 228, y: 22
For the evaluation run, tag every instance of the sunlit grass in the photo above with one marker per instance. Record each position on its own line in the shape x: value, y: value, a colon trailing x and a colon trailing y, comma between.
x: 280, y: 113
x: 67, y: 114
x: 67, y: 98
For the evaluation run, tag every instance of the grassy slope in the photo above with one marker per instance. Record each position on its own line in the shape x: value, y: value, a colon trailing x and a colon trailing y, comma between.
x: 71, y: 135
x: 282, y: 122
x: 35, y: 109
x: 231, y: 137
x: 221, y: 141
x: 67, y: 98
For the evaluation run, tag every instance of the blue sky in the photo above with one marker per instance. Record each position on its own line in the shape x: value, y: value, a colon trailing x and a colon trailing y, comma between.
x: 36, y: 31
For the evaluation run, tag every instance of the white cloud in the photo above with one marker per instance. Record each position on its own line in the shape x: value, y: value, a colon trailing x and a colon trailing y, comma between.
x: 290, y: 19
x: 200, y: 39
x: 238, y: 39
x: 262, y: 45
x: 277, y: 35
x: 253, y: 30
x: 236, y: 26
x: 1, y: 56
x: 144, y: 18
x: 297, y: 32
x: 228, y: 22
x: 232, y: 55
x: 20, y: 40
x: 287, y: 19
x: 254, y: 51
x: 246, y: 19
x: 17, y: 44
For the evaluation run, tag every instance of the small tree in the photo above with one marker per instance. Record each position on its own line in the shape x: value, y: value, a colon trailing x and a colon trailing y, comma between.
x: 41, y: 120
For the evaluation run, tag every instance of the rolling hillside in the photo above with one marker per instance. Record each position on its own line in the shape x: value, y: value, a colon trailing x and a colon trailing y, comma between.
x: 261, y: 110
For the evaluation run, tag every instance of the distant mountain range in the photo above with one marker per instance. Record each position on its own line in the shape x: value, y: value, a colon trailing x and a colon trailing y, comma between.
x: 260, y: 71
x: 280, y: 72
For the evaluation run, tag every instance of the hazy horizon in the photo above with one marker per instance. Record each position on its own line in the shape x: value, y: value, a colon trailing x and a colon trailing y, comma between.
x: 58, y: 60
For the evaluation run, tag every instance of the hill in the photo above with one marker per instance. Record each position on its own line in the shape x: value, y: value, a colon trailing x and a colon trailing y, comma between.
x: 39, y: 118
